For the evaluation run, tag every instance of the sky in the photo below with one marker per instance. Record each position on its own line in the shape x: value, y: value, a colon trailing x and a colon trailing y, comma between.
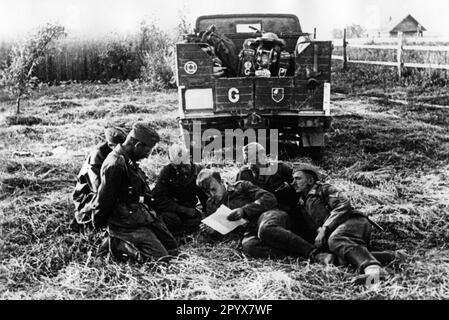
x: 99, y: 17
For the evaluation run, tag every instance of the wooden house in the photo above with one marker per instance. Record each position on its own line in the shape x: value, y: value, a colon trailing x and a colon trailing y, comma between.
x: 409, y: 26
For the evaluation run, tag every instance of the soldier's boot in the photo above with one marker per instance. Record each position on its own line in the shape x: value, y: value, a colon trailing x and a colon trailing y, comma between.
x: 388, y: 256
x: 184, y: 238
x: 210, y: 235
x: 372, y: 275
x: 384, y: 257
x: 323, y: 258
x: 367, y: 264
x: 124, y: 250
x: 172, y: 254
x: 283, y: 239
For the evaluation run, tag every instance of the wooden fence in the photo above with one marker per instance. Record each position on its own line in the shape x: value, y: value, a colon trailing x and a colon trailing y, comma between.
x: 399, y: 44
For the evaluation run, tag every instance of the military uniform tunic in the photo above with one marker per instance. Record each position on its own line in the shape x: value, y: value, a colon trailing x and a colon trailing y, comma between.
x: 347, y: 229
x: 267, y: 234
x: 123, y: 203
x: 88, y: 181
x: 278, y: 182
x: 243, y: 194
x: 176, y: 192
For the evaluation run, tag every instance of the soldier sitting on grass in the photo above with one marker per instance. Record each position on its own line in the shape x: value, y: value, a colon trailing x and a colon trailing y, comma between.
x: 124, y: 202
x: 88, y: 179
x: 273, y: 176
x: 176, y: 194
x: 266, y: 234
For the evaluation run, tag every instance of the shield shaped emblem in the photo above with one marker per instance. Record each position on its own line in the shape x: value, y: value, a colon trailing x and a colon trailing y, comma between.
x: 277, y: 94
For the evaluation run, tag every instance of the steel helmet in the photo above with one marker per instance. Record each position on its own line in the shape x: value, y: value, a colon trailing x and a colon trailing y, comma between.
x: 271, y: 37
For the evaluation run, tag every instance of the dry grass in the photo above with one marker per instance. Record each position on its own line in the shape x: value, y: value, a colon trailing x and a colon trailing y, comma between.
x: 391, y: 160
x: 415, y: 85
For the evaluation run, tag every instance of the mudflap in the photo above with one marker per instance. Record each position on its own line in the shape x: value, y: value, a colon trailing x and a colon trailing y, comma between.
x: 312, y: 137
x: 313, y: 142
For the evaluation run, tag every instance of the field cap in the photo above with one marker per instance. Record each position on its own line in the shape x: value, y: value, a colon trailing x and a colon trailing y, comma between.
x: 309, y: 169
x: 143, y: 132
x: 254, y: 152
x: 115, y: 135
x: 178, y: 154
x: 205, y: 176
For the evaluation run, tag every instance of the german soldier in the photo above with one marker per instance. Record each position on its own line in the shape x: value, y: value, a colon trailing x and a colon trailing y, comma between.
x: 267, y: 234
x: 176, y: 194
x: 88, y: 179
x: 332, y: 224
x: 275, y: 178
x: 124, y: 201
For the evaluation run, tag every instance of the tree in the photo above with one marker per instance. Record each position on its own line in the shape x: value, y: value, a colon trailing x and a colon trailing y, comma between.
x: 352, y: 31
x: 184, y: 25
x: 18, y: 77
x: 355, y: 31
x: 156, y: 51
x: 337, y: 33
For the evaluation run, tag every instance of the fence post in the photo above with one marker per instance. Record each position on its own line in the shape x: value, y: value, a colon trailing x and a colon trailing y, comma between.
x: 399, y: 57
x: 47, y: 68
x: 68, y: 77
x: 345, y: 56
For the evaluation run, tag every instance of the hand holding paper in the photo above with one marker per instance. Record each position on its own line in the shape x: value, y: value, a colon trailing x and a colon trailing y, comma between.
x: 219, y: 220
x: 236, y: 214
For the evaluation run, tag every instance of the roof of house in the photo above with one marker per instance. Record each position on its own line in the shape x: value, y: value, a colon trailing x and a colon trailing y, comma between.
x: 401, y: 25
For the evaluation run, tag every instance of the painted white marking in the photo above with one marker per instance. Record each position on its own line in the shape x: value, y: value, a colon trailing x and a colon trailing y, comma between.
x: 233, y: 95
x: 327, y: 99
x: 190, y: 67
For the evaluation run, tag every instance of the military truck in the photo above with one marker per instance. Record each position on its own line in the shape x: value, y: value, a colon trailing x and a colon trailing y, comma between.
x: 294, y: 98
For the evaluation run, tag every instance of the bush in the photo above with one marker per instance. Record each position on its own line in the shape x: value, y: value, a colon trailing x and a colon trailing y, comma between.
x: 22, y: 120
x: 118, y: 60
x: 18, y: 77
x: 148, y: 55
x: 156, y: 52
x: 157, y: 71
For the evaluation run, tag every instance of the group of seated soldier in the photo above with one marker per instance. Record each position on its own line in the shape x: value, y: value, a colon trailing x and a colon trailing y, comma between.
x: 289, y: 212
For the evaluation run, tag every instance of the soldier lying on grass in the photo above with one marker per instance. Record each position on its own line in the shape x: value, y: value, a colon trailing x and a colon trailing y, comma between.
x: 325, y: 218
x: 267, y: 233
x: 124, y: 201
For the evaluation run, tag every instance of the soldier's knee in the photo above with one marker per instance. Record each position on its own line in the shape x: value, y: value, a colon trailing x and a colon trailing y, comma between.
x: 249, y: 246
x: 274, y: 219
x: 266, y: 231
x: 268, y: 227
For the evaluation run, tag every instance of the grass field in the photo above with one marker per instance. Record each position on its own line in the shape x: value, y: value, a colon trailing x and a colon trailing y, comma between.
x: 391, y: 159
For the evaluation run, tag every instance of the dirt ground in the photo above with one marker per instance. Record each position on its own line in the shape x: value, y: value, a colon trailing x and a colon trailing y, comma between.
x: 392, y: 160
